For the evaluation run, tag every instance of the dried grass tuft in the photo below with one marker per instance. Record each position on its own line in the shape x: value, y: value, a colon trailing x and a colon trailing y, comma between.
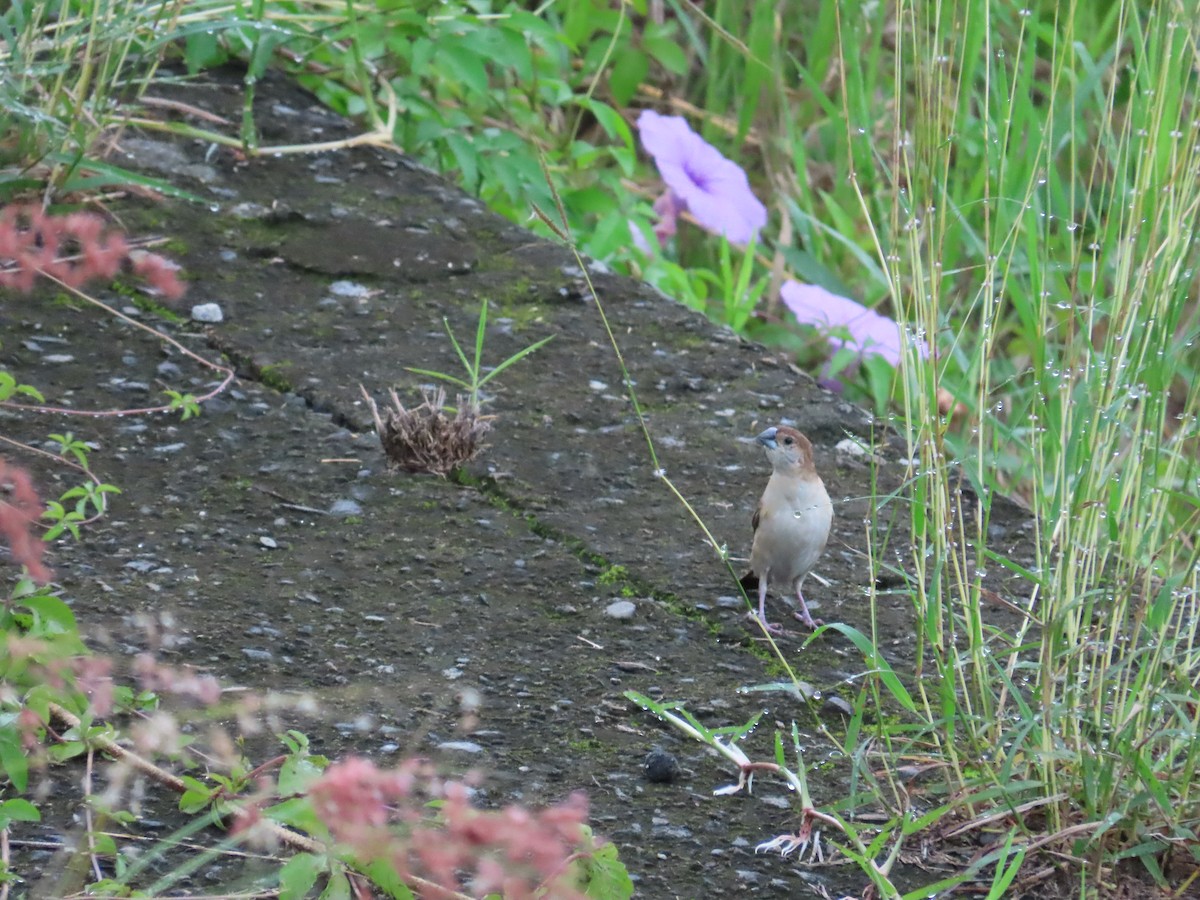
x: 425, y: 438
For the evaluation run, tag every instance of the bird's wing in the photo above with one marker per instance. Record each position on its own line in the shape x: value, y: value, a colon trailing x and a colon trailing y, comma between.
x: 750, y: 580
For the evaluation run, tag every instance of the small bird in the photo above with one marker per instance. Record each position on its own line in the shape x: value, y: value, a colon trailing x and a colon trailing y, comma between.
x: 791, y: 524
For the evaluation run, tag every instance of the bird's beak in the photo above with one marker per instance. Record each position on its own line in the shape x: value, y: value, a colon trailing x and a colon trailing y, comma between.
x: 767, y: 438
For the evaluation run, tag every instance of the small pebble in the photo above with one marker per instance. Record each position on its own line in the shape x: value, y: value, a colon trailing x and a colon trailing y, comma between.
x: 249, y: 211
x: 620, y: 609
x: 464, y: 746
x: 344, y: 508
x: 350, y: 289
x: 807, y: 691
x: 837, y: 705
x: 207, y: 312
x: 851, y: 451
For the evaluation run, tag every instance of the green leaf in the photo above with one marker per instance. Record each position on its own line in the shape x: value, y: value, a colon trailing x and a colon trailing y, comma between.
x: 299, y: 875
x: 813, y: 271
x: 384, y: 876
x: 297, y: 775
x: 13, y: 759
x: 338, y: 887
x: 104, y: 844
x: 52, y: 613
x: 610, y: 120
x: 197, y: 795
x: 108, y: 175
x: 19, y: 810
x: 605, y: 876
x: 464, y: 64
x: 480, y: 335
x: 629, y: 69
x: 665, y: 50
x: 880, y: 665
x: 609, y: 236
x: 296, y: 812
x: 203, y: 50
x: 440, y: 376
x: 881, y: 375
x: 578, y: 24
x: 472, y: 372
x: 466, y: 157
x: 1005, y: 874
x: 516, y: 357
x: 505, y: 48
x: 264, y: 49
x: 64, y: 750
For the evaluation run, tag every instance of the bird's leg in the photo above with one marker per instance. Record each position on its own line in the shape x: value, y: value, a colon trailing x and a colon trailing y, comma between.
x: 762, y: 606
x: 803, y: 614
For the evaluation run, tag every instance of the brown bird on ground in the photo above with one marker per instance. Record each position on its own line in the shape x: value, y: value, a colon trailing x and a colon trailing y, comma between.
x: 791, y: 524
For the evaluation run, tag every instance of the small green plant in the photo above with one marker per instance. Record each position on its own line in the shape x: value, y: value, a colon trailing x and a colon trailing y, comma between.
x: 740, y: 291
x: 90, y: 504
x: 476, y: 378
x: 68, y: 444
x: 185, y: 404
x: 9, y: 388
x: 614, y: 574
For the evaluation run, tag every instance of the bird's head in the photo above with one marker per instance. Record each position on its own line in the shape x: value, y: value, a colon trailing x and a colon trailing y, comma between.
x: 788, y: 450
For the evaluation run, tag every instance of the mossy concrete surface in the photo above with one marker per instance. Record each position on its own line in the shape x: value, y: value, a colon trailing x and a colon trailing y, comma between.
x: 267, y: 543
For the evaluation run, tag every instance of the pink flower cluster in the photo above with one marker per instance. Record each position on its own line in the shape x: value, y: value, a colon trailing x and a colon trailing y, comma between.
x: 20, y: 509
x: 165, y: 679
x: 515, y: 852
x: 74, y: 249
x: 93, y: 676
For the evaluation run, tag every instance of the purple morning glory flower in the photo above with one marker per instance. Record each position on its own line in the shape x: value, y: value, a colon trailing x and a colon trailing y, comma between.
x: 700, y: 180
x: 869, y: 331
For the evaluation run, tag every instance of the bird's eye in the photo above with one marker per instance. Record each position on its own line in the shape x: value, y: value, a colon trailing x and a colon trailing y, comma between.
x: 787, y: 441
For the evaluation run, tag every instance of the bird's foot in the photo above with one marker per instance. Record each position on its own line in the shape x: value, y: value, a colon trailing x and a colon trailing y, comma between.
x: 809, y: 622
x: 770, y: 627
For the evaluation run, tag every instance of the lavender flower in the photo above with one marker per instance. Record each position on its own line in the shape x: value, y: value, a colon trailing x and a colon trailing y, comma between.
x: 869, y: 332
x: 699, y: 180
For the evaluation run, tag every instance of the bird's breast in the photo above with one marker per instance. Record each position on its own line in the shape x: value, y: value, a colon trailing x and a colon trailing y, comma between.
x: 792, y: 530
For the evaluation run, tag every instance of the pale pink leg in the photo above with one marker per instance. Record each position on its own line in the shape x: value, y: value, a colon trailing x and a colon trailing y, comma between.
x: 762, y: 607
x: 803, y: 614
